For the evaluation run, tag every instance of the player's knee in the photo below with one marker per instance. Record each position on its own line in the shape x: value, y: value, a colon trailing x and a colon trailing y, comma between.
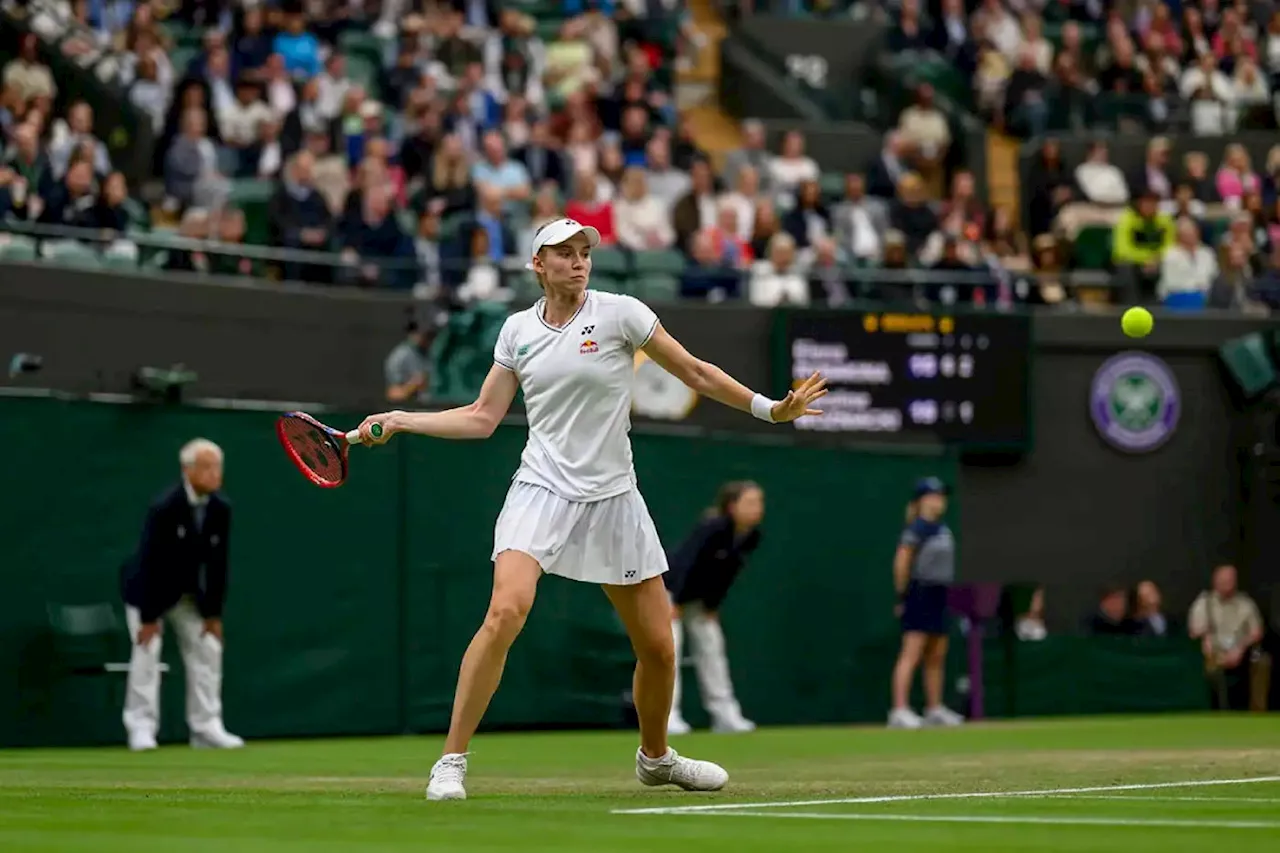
x: 506, y: 618
x: 658, y: 650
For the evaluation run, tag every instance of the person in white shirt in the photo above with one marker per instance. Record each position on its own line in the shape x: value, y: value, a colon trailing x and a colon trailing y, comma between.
x: 743, y: 200
x: 791, y: 167
x: 573, y: 508
x: 778, y: 280
x: 1101, y: 182
x: 239, y: 121
x: 640, y: 221
x: 1189, y: 266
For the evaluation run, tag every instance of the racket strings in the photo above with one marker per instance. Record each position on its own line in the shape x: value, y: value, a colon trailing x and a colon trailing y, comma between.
x: 314, y: 449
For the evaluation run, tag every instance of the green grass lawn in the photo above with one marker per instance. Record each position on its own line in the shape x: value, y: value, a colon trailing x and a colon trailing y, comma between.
x: 570, y: 792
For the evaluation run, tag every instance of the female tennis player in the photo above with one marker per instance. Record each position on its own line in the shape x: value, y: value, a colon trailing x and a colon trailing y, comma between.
x: 702, y: 570
x: 923, y: 570
x: 573, y: 508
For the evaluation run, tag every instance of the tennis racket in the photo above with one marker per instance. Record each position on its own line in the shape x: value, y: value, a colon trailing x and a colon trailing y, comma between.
x: 319, y: 451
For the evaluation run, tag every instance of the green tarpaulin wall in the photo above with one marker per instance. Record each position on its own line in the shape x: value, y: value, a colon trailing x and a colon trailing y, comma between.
x: 349, y: 608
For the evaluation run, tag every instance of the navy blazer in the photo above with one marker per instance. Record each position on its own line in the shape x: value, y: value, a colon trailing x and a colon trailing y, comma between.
x: 173, y: 559
x: 707, y: 563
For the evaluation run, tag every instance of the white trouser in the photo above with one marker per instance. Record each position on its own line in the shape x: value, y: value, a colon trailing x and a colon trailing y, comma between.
x: 202, y: 659
x: 710, y: 662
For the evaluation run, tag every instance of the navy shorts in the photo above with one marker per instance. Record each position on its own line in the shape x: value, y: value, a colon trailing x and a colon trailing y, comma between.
x: 924, y: 608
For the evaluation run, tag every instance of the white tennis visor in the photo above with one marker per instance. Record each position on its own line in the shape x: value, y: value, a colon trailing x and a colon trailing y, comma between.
x: 556, y: 232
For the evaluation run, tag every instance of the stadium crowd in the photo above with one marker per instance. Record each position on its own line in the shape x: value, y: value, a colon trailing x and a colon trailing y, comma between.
x: 419, y: 145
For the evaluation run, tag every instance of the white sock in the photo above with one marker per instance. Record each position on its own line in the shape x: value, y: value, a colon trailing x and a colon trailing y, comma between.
x: 654, y: 762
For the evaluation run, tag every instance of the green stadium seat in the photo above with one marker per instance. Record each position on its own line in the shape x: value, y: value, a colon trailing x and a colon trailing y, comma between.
x: 1092, y: 250
x: 181, y: 57
x: 71, y: 253
x: 365, y: 72
x: 363, y: 44
x: 15, y: 247
x: 832, y: 185
x: 664, y: 261
x: 656, y: 287
x: 606, y: 283
x: 609, y: 261
x: 252, y: 196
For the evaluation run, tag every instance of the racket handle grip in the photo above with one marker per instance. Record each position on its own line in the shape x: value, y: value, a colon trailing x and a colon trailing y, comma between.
x: 353, y: 437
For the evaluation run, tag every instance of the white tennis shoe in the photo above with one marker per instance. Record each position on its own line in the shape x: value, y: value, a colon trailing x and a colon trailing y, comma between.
x: 904, y: 718
x: 686, y: 773
x: 447, y: 777
x: 942, y: 716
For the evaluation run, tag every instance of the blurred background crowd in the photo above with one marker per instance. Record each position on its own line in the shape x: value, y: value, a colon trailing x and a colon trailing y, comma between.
x: 417, y: 145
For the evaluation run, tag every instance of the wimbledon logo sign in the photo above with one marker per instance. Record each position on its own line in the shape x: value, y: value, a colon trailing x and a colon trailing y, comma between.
x: 1135, y: 402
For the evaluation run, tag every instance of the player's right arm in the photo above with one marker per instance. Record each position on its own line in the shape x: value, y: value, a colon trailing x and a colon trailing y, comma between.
x: 477, y: 420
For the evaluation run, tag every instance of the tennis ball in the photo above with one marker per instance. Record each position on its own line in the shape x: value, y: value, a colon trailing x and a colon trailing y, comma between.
x: 1137, y: 322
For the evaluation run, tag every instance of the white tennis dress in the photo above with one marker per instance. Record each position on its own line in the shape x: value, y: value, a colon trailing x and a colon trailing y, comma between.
x: 573, y: 504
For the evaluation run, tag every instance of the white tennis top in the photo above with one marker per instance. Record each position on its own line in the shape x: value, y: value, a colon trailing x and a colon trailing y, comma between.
x: 577, y: 383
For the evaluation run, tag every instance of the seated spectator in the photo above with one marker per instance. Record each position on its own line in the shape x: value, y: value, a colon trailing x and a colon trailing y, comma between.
x: 329, y: 173
x: 1236, y: 178
x: 499, y: 241
x: 67, y: 136
x: 1195, y: 171
x: 778, y: 280
x: 765, y: 225
x: 1099, y: 180
x: 885, y: 172
x: 743, y: 199
x: 908, y: 33
x: 640, y: 221
x: 634, y: 135
x: 609, y: 175
x: 542, y: 159
x: 1241, y: 235
x: 1148, y: 618
x: 1052, y: 187
x: 734, y: 251
x: 483, y: 280
x: 925, y: 128
x: 300, y: 219
x: 112, y: 213
x: 706, y: 276
x: 1153, y: 175
x: 791, y: 167
x: 999, y: 26
x: 1185, y: 203
x: 378, y: 251
x: 859, y: 222
x: 951, y: 37
x: 191, y: 176
x: 448, y: 187
x: 828, y: 281
x: 1249, y: 89
x: 495, y: 168
x: 191, y: 259
x: 148, y: 94
x: 911, y: 214
x: 1029, y: 626
x: 426, y: 244
x: 282, y: 92
x: 1228, y: 625
x: 809, y: 220
x: 666, y: 183
x: 251, y: 46
x: 963, y: 211
x: 697, y: 208
x: 1005, y: 243
x: 73, y: 201
x: 1139, y: 240
x: 240, y: 122
x: 299, y: 48
x: 33, y: 176
x: 229, y: 231
x: 753, y: 153
x: 515, y: 58
x: 1110, y: 619
x: 1187, y: 270
x: 588, y: 210
x: 1237, y: 288
x: 28, y: 76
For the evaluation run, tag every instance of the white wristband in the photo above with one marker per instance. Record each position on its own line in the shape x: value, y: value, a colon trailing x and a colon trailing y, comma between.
x: 762, y: 408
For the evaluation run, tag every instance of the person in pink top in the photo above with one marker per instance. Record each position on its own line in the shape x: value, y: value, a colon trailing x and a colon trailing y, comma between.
x: 587, y: 209
x: 1236, y: 178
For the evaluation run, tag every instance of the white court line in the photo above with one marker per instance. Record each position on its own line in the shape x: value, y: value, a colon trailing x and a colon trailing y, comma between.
x: 1140, y: 799
x: 1029, y: 819
x: 975, y: 795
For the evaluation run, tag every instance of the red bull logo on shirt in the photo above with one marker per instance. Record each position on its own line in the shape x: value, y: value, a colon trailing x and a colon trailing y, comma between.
x: 588, y: 346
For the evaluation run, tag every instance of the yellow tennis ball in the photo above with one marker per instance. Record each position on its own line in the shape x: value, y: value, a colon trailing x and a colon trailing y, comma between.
x: 1137, y: 322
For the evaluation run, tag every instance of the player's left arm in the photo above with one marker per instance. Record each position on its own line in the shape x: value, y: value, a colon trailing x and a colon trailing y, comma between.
x: 710, y: 381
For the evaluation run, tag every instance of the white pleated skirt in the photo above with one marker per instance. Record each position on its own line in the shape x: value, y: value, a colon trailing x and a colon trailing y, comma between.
x: 610, y: 541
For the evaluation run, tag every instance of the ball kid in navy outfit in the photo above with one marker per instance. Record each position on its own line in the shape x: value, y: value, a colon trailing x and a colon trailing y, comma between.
x: 924, y: 568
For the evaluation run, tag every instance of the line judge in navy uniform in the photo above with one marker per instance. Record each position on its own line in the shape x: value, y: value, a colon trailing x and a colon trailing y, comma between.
x: 178, y: 576
x: 698, y: 578
x: 924, y: 568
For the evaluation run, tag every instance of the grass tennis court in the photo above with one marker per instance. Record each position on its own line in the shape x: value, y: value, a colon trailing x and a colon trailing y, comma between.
x: 1133, y: 784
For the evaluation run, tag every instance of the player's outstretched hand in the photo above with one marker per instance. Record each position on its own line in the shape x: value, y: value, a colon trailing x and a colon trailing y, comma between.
x: 386, y: 419
x: 799, y: 400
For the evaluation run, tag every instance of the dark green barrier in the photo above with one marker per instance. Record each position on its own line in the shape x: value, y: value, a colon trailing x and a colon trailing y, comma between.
x: 1094, y: 675
x: 349, y: 609
x: 311, y: 642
